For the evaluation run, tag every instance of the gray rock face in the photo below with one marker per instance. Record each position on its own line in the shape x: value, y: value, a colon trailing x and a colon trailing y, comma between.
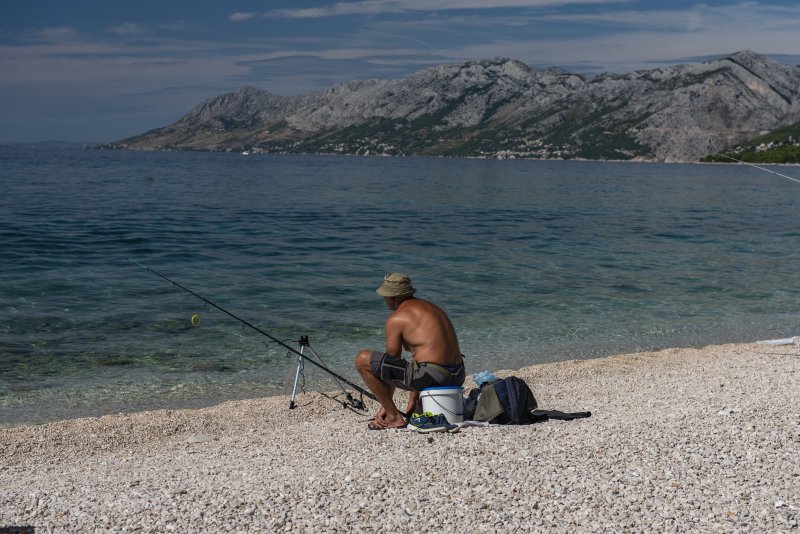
x: 678, y: 113
x: 243, y: 105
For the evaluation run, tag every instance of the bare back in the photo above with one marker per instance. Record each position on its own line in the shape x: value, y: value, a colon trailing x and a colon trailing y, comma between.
x: 424, y: 329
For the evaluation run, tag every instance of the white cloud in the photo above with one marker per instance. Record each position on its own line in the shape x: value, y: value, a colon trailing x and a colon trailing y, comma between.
x: 129, y: 28
x: 374, y: 7
x: 241, y: 16
x: 746, y: 17
x: 627, y: 51
x: 627, y: 40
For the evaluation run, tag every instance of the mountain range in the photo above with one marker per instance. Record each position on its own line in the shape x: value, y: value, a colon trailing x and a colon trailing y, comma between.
x: 503, y: 108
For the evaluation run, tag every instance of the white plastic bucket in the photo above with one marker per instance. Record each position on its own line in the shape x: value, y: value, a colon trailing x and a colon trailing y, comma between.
x: 446, y: 400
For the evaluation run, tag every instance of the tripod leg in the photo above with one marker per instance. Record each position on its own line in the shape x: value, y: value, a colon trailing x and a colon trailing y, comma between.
x: 296, y: 378
x: 291, y: 369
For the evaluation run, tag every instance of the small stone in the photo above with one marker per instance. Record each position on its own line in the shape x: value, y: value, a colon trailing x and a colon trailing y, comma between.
x: 778, y: 504
x: 375, y: 475
x: 201, y: 438
x: 250, y: 511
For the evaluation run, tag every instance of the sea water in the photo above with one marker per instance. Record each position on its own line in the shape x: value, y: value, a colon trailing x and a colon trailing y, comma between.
x: 534, y: 261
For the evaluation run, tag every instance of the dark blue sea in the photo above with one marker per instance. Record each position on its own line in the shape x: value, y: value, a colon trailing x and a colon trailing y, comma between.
x: 534, y: 261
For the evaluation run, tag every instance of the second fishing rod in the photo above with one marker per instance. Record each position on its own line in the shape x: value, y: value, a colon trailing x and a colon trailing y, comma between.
x: 299, y: 354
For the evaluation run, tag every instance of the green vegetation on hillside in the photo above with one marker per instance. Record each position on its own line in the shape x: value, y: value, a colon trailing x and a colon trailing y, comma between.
x: 778, y: 146
x: 777, y: 155
x: 273, y: 127
x: 427, y: 135
x: 781, y: 135
x: 583, y: 130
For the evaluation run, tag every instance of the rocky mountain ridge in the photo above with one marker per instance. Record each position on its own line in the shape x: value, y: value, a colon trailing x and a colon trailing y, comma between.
x: 504, y: 108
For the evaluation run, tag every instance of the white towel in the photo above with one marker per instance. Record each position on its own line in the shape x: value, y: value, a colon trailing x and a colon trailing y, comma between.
x: 788, y: 341
x: 475, y: 424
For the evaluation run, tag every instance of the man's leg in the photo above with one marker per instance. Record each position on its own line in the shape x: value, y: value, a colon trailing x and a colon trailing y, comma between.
x: 388, y: 416
x: 414, y: 402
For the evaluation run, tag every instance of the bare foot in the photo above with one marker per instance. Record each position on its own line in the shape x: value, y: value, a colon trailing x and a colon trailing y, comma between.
x: 375, y: 425
x: 382, y: 421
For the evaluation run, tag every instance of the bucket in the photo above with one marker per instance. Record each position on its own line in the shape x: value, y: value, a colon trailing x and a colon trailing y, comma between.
x: 448, y: 401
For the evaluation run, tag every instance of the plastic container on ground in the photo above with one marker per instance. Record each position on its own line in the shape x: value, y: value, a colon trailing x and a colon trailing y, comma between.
x: 448, y: 401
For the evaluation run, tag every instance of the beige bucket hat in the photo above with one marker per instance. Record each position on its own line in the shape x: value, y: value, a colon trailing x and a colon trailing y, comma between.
x: 396, y: 285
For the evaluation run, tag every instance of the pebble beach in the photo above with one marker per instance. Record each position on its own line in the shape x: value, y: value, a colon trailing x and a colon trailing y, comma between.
x: 681, y: 440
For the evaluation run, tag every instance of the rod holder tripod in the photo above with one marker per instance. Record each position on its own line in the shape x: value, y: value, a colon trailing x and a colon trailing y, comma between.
x: 297, y: 366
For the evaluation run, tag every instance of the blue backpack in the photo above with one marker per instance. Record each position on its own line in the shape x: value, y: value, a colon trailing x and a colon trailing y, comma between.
x: 513, y: 393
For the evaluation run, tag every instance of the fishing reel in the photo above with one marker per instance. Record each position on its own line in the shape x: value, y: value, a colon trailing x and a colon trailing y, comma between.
x: 357, y: 404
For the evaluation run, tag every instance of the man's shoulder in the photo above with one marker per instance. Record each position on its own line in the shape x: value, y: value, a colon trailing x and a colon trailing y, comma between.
x: 414, y: 308
x: 421, y: 304
x: 425, y: 306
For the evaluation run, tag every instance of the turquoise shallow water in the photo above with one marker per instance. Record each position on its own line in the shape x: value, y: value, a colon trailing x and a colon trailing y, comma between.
x: 534, y: 261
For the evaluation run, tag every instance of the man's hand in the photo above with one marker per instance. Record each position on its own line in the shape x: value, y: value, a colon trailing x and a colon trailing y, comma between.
x: 380, y: 419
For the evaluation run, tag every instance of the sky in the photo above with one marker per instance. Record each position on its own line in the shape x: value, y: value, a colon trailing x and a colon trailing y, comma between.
x: 101, y: 71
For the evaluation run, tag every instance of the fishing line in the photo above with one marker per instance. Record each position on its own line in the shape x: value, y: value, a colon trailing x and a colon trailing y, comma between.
x: 763, y: 169
x: 361, y: 390
x: 757, y: 167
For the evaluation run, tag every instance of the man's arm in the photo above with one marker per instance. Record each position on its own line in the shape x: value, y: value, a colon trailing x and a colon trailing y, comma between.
x: 394, y: 336
x: 394, y: 346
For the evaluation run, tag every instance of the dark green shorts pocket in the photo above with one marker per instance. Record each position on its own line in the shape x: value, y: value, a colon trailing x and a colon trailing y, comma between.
x: 391, y: 372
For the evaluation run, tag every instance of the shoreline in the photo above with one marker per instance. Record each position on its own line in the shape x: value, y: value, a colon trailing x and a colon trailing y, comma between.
x: 680, y: 439
x: 128, y: 394
x: 637, y: 159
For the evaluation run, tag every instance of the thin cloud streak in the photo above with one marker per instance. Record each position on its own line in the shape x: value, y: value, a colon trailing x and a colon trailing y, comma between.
x: 179, y: 25
x: 129, y: 28
x: 376, y: 7
x: 241, y: 16
x: 700, y: 17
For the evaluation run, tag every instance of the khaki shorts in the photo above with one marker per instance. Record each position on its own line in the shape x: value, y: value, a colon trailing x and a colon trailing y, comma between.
x: 406, y: 375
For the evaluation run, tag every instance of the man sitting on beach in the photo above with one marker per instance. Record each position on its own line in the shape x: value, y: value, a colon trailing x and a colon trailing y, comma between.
x: 424, y: 329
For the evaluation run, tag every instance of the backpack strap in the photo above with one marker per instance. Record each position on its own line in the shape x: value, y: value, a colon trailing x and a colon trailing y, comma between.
x: 518, y: 397
x: 436, y: 366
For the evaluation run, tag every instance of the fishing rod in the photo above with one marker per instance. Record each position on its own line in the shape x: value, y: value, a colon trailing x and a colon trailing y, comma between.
x: 279, y: 342
x: 757, y: 167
